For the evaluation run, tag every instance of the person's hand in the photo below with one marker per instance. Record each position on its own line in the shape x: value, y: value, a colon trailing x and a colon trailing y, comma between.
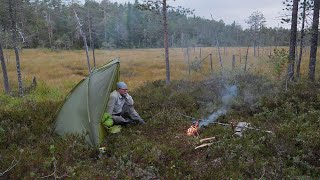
x: 141, y: 121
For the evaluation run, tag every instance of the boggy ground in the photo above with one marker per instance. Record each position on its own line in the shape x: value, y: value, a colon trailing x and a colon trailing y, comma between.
x: 160, y: 149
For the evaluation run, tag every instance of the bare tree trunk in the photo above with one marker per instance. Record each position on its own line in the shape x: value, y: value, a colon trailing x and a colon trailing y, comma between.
x: 188, y: 60
x: 246, y: 60
x: 301, y: 39
x: 84, y: 40
x: 16, y: 50
x: 240, y: 55
x: 254, y: 43
x: 314, y: 40
x: 4, y: 72
x: 211, y: 67
x: 219, y: 53
x: 105, y: 25
x: 91, y: 40
x: 182, y: 40
x: 165, y: 29
x: 293, y: 40
x: 233, y: 61
x: 50, y: 28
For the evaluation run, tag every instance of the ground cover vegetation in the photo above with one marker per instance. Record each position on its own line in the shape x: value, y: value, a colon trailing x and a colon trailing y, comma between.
x: 161, y: 149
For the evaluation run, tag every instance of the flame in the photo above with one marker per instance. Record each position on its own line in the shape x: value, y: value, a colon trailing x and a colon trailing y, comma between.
x: 193, y: 130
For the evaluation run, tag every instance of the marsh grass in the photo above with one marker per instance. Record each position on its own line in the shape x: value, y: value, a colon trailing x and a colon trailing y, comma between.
x: 62, y: 68
x: 160, y: 148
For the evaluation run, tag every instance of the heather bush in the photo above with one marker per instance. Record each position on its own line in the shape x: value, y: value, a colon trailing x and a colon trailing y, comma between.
x: 160, y: 149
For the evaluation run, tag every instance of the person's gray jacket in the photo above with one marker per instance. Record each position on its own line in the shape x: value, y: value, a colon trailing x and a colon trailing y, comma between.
x: 116, y: 102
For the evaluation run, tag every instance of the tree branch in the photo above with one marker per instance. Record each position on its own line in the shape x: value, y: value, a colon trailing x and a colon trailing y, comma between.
x: 13, y: 164
x: 54, y: 173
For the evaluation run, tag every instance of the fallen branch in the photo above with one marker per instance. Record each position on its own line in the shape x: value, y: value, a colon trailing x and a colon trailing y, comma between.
x: 187, y: 116
x: 207, y: 139
x: 203, y: 145
x: 264, y: 172
x: 13, y: 164
x: 54, y: 174
x: 243, y: 127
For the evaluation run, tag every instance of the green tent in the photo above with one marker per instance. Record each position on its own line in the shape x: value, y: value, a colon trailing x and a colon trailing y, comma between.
x: 83, y: 108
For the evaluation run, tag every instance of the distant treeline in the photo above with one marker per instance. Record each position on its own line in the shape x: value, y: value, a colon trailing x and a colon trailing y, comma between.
x: 52, y: 24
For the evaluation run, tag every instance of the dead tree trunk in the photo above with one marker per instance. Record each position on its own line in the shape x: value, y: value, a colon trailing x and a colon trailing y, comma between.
x: 91, y: 37
x: 12, y: 14
x: 4, y: 72
x: 105, y: 24
x: 314, y: 40
x: 219, y: 54
x: 233, y: 61
x: 211, y: 66
x: 84, y: 40
x: 301, y: 39
x: 165, y: 31
x: 246, y: 60
x: 50, y: 28
x: 293, y: 40
x: 187, y: 59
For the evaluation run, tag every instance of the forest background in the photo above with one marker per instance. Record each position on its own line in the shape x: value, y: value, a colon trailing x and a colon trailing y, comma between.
x: 51, y: 24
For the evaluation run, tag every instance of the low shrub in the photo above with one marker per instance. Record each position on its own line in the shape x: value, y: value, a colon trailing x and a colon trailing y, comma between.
x: 160, y: 149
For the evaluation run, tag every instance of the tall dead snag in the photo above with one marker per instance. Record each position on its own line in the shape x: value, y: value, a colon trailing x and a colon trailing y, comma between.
x: 165, y: 33
x: 89, y: 8
x: 246, y: 60
x: 4, y: 72
x: 301, y: 38
x: 155, y: 5
x: 84, y: 39
x: 92, y: 41
x: 49, y: 24
x: 293, y: 40
x: 220, y: 58
x: 314, y: 40
x: 13, y: 18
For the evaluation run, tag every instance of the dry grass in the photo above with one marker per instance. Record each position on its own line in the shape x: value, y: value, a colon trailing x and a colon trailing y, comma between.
x: 63, y: 69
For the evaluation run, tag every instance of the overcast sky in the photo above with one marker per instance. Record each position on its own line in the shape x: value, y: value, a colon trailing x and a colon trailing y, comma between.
x: 231, y: 10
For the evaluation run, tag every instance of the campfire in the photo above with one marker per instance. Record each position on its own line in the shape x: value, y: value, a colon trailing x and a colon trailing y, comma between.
x: 194, y: 129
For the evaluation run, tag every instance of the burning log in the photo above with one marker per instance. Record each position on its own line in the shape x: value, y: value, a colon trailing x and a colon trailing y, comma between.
x: 193, y: 130
x: 235, y: 126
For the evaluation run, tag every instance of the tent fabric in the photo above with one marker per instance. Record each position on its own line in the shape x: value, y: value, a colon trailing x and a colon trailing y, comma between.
x: 83, y: 108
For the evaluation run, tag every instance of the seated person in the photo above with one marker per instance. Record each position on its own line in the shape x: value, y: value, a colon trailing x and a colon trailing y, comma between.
x: 120, y: 106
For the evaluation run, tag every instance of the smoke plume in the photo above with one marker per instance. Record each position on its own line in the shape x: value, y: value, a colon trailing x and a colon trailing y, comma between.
x: 229, y: 93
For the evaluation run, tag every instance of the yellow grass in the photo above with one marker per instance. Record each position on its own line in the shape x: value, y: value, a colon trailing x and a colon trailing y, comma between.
x: 63, y: 69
